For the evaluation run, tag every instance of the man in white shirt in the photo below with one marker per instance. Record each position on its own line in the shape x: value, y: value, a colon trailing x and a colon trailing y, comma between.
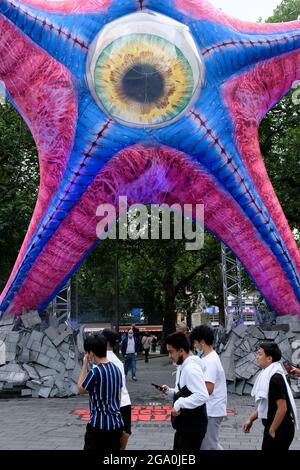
x: 202, y: 337
x: 189, y: 417
x: 125, y: 404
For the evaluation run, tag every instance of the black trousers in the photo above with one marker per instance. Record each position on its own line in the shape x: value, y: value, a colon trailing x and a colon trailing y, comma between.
x: 146, y: 355
x: 189, y: 441
x: 283, y: 438
x: 102, y: 440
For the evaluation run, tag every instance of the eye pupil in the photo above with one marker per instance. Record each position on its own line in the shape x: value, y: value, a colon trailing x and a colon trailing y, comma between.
x: 143, y: 83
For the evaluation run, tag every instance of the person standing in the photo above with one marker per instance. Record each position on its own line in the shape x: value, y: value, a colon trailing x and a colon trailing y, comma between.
x: 146, y: 343
x: 202, y: 338
x: 274, y: 399
x: 189, y: 417
x: 130, y: 347
x: 125, y: 405
x: 103, y: 383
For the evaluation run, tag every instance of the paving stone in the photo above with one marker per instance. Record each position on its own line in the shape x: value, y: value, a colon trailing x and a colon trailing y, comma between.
x: 31, y: 371
x: 256, y: 332
x: 251, y: 381
x: 31, y: 319
x: 36, y: 346
x: 51, y: 332
x: 24, y: 355
x: 245, y: 346
x: 53, y: 392
x: 6, y: 328
x: 63, y: 347
x: 25, y: 392
x: 59, y: 339
x: 45, y: 371
x: 271, y: 335
x: 48, y: 381
x: 241, y: 331
x: 35, y: 336
x: 7, y: 319
x: 239, y: 387
x: 70, y: 364
x: 62, y: 327
x: 44, y: 392
x: 44, y: 361
x: 34, y: 384
x: 286, y: 349
x: 2, y: 353
x: 33, y: 355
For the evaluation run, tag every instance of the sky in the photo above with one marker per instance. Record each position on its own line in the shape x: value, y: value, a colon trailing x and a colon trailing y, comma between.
x: 249, y: 10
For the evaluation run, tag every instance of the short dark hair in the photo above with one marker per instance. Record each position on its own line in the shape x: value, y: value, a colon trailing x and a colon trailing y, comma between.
x: 96, y: 344
x: 203, y: 333
x: 111, y: 336
x: 271, y: 349
x: 178, y: 341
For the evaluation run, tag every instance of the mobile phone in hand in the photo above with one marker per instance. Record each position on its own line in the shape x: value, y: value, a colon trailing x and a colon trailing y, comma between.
x: 288, y: 366
x: 159, y: 387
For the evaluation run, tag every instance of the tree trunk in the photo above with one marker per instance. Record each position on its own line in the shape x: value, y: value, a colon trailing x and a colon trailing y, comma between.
x: 169, y: 322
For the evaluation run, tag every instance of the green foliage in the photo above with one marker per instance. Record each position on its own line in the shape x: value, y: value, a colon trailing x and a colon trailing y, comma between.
x: 19, y: 178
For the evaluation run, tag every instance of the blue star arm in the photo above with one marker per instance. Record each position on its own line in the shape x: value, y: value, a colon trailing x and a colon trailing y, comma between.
x: 205, y: 134
x: 233, y: 52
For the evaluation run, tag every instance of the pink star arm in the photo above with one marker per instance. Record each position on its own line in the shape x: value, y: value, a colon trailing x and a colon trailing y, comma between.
x: 43, y: 91
x: 249, y: 97
x: 203, y: 10
x: 69, y: 6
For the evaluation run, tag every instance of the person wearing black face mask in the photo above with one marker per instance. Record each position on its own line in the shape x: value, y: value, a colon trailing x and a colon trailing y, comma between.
x: 189, y: 417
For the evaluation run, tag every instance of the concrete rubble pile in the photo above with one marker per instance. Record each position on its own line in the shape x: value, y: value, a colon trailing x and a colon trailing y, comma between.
x: 238, y: 352
x: 38, y: 360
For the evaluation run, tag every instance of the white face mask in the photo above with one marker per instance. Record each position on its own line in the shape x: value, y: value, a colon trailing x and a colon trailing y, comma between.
x: 130, y: 335
x: 199, y: 352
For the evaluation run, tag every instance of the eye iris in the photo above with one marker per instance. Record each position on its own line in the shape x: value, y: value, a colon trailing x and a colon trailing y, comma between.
x: 143, y: 83
x: 143, y: 79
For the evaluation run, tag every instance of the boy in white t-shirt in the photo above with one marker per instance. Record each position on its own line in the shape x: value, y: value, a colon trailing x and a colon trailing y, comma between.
x: 202, y: 338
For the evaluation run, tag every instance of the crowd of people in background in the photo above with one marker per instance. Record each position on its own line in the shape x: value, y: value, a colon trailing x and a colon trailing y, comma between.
x: 199, y: 396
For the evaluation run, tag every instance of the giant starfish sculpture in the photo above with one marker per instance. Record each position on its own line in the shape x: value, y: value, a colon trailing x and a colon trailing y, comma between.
x: 187, y: 131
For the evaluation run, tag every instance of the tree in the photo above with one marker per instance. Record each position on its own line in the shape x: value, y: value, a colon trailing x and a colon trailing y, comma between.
x: 19, y: 177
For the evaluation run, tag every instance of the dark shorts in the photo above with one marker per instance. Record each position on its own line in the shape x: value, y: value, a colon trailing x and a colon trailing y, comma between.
x: 102, y: 440
x: 126, y: 415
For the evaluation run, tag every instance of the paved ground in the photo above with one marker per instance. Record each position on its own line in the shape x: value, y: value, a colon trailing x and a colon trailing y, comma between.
x: 28, y: 423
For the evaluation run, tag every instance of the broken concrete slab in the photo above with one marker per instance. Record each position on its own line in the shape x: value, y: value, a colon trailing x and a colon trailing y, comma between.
x: 240, y: 331
x: 31, y: 319
x: 44, y: 392
x: 31, y: 371
x: 7, y: 319
x: 59, y: 339
x: 270, y: 335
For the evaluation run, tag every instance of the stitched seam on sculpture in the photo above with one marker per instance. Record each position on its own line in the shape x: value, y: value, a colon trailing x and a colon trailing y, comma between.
x: 51, y: 26
x: 235, y: 169
x: 76, y: 175
x: 226, y: 44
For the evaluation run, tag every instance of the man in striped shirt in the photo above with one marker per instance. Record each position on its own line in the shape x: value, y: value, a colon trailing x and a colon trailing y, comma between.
x: 103, y: 383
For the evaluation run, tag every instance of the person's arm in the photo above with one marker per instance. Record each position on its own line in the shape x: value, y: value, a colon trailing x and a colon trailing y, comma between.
x: 210, y: 377
x: 210, y: 387
x: 194, y: 380
x: 83, y: 374
x: 279, y: 416
x: 248, y: 424
x: 168, y: 391
x: 295, y: 372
